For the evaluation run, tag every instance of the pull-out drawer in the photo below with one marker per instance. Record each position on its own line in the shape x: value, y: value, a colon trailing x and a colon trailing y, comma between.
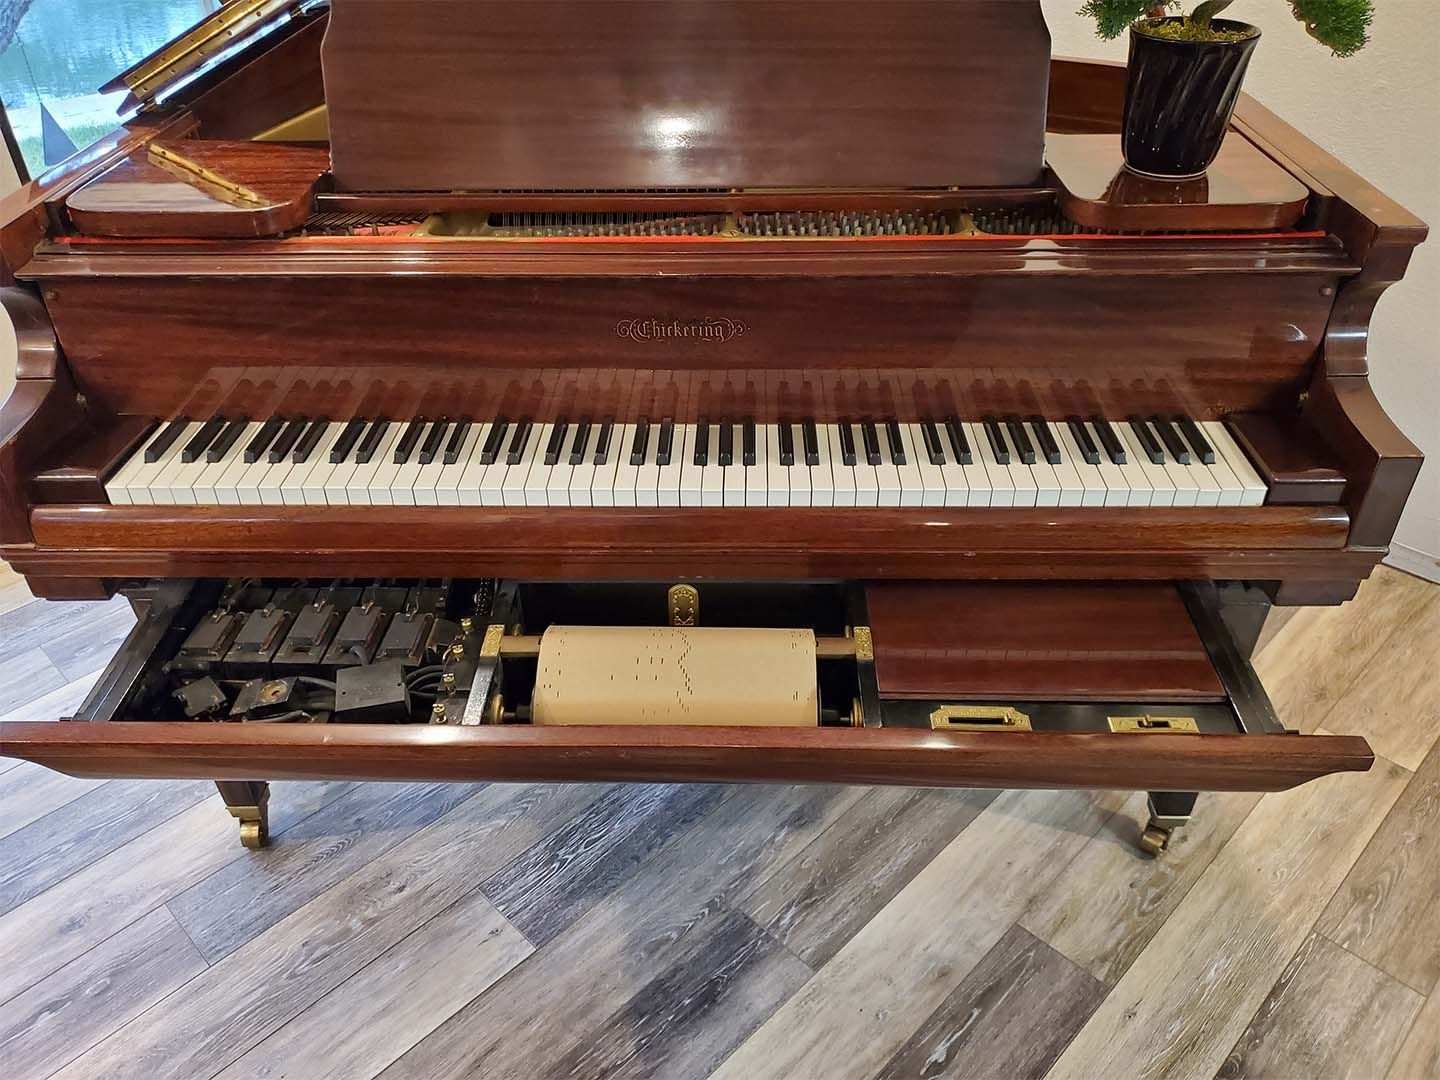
x: 1142, y: 687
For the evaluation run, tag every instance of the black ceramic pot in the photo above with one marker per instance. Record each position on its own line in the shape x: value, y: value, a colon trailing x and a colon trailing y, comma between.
x: 1178, y: 99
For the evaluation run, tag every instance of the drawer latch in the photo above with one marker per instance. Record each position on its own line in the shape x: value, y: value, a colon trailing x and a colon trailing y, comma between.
x: 978, y: 718
x: 1153, y: 725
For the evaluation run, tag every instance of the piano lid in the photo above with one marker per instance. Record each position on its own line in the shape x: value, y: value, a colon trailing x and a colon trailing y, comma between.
x: 484, y: 95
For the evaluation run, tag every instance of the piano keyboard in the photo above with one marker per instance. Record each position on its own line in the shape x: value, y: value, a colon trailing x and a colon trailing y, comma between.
x: 582, y: 461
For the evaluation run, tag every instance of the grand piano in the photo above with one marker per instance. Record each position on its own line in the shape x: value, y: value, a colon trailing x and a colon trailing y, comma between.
x: 393, y: 353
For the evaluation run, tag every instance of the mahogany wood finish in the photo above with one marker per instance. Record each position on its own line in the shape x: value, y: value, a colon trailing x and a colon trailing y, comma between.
x: 1296, y: 465
x: 685, y: 754
x: 1242, y: 190
x: 670, y: 93
x: 143, y: 197
x: 323, y: 344
x: 264, y: 90
x: 1037, y: 642
x: 81, y: 479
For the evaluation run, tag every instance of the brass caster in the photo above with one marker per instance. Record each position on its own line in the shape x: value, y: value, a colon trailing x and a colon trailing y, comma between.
x: 1154, y: 840
x: 254, y: 834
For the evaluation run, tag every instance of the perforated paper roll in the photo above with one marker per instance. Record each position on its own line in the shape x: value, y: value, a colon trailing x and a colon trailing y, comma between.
x: 675, y: 675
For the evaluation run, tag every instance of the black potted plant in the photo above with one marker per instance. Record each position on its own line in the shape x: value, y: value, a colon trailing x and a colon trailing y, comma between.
x: 1186, y: 69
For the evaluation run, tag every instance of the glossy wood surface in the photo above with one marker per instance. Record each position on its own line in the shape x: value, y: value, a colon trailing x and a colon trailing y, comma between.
x: 1296, y: 465
x: 669, y: 93
x: 265, y: 89
x: 1242, y: 190
x: 655, y: 754
x: 826, y: 347
x: 1037, y: 642
x: 144, y: 197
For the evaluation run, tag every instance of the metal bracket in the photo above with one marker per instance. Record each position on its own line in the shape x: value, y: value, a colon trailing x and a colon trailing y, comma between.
x: 254, y: 821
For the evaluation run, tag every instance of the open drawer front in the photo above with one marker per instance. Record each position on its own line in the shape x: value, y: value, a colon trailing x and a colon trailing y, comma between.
x: 1133, y: 686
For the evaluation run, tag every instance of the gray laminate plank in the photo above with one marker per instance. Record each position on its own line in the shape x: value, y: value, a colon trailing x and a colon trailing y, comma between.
x: 690, y: 1016
x: 1010, y: 1017
x: 32, y: 791
x: 253, y: 992
x: 1419, y: 1056
x: 547, y: 887
x: 80, y: 646
x: 66, y: 840
x: 14, y: 593
x: 1178, y: 1009
x: 242, y: 899
x: 822, y: 898
x: 26, y: 676
x: 1386, y: 910
x: 397, y: 999
x: 38, y: 623
x: 75, y: 1007
x: 1329, y: 1015
x: 863, y: 1005
x: 51, y: 929
x: 597, y: 964
x: 65, y: 700
x: 1112, y: 899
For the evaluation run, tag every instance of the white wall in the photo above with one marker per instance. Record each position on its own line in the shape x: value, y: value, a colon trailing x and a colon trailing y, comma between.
x: 1379, y: 112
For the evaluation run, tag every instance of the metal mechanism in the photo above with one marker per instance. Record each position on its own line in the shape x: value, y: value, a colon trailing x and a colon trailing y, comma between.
x: 1152, y: 725
x: 254, y: 820
x: 864, y: 644
x: 1169, y: 811
x: 684, y: 604
x: 978, y: 718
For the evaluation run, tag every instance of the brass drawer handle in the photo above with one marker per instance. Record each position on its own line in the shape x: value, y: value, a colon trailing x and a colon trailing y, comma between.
x: 978, y: 718
x: 1152, y: 725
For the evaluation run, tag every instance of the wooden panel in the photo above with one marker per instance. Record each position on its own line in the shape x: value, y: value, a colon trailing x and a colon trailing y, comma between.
x: 668, y: 93
x: 1297, y: 467
x: 331, y: 344
x: 650, y: 754
x: 1243, y: 189
x: 1111, y: 642
x: 143, y: 197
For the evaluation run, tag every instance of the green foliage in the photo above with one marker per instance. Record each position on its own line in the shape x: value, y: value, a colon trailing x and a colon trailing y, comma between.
x: 1340, y: 24
x: 1113, y: 17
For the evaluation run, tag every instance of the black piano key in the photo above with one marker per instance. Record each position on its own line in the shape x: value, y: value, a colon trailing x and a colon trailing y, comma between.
x: 166, y: 439
x: 406, y: 446
x: 348, y: 438
x: 934, y: 449
x: 811, y: 440
x: 747, y: 442
x: 202, y: 439
x: 727, y: 443
x: 457, y: 441
x: 997, y: 440
x: 847, y: 443
x: 225, y: 440
x: 1020, y: 440
x: 787, y: 443
x: 640, y: 443
x: 433, y: 438
x: 494, y: 441
x: 311, y: 439
x: 556, y: 443
x: 702, y: 443
x: 959, y: 444
x: 263, y: 438
x: 602, y: 443
x: 871, y: 439
x: 1081, y: 434
x: 1043, y: 435
x: 666, y: 446
x: 365, y: 452
x: 1109, y: 440
x: 282, y: 446
x: 1171, y: 438
x: 897, y: 444
x: 1203, y: 450
x: 518, y: 442
x: 582, y: 438
x: 1148, y: 442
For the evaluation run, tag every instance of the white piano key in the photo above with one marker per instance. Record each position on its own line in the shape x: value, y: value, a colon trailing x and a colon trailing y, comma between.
x: 1081, y: 483
x: 557, y: 485
x: 304, y: 484
x: 459, y: 482
x: 1021, y: 475
x: 1208, y: 488
x: 1162, y: 488
x: 667, y: 486
x: 934, y: 490
x: 582, y: 476
x: 526, y: 481
x: 1048, y: 490
x: 382, y: 484
x: 1231, y: 490
x: 1187, y: 489
x: 647, y: 475
x: 732, y: 476
x: 887, y: 474
x: 912, y: 483
x: 366, y: 486
x: 689, y: 471
x: 337, y: 483
x: 326, y: 483
x: 757, y: 476
x: 777, y: 476
x: 798, y: 475
x: 216, y: 486
x: 1129, y: 477
x: 1253, y: 488
x: 117, y: 488
x: 602, y: 485
x: 965, y: 485
x: 412, y: 473
x: 1001, y: 480
x: 177, y: 484
x: 623, y: 486
x: 821, y: 475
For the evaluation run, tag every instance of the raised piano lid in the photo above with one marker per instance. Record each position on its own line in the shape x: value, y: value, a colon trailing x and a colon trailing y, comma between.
x: 466, y: 95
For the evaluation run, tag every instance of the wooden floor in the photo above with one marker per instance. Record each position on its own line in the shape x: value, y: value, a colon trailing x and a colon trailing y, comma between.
x: 423, y: 931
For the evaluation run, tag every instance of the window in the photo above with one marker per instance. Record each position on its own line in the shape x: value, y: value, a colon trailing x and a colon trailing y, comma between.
x: 56, y: 54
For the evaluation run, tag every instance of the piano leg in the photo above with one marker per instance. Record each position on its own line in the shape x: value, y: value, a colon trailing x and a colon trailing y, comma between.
x: 1169, y: 810
x: 249, y: 802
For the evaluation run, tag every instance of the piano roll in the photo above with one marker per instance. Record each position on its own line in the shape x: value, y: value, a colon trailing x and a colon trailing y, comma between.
x: 676, y: 675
